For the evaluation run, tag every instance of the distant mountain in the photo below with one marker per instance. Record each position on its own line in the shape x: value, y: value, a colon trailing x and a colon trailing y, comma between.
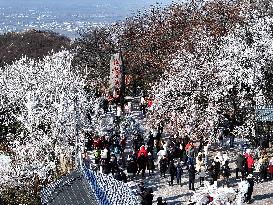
x: 34, y: 44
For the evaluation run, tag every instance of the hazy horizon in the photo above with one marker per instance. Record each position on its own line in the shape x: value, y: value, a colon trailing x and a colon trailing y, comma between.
x: 67, y: 17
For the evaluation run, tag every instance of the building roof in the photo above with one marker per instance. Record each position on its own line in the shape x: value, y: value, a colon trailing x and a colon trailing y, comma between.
x: 72, y: 189
x: 264, y: 113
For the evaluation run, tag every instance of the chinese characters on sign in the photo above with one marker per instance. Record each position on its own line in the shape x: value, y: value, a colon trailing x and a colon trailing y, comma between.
x: 115, y: 72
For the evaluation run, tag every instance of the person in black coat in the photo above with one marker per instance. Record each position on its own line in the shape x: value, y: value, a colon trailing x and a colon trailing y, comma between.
x: 213, y: 173
x: 250, y: 188
x: 172, y: 171
x: 192, y: 172
x: 147, y: 197
x: 150, y: 163
x: 163, y: 166
x: 240, y: 163
x: 131, y: 168
x: 123, y: 176
x: 142, y: 163
x: 160, y: 201
x: 146, y: 194
x: 105, y: 105
x: 217, y: 169
x: 226, y: 172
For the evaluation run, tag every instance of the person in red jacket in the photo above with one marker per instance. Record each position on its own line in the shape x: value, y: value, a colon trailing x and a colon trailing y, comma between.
x: 250, y: 163
x: 142, y: 150
x: 150, y: 103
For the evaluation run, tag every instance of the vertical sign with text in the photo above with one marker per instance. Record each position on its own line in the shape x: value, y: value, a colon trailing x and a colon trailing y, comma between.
x: 115, y: 72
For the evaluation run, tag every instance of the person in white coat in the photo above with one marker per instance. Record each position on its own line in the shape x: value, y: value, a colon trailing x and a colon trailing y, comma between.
x: 199, y: 162
x: 225, y: 159
x: 119, y: 111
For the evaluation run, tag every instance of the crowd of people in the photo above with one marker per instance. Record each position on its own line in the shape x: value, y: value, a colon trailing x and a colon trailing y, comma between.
x: 174, y: 156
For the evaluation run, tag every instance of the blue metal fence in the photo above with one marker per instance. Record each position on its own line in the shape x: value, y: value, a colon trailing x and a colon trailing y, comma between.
x: 109, y: 191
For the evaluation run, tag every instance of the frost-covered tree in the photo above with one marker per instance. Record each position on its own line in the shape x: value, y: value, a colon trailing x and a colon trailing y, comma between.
x: 51, y: 105
x: 222, y: 80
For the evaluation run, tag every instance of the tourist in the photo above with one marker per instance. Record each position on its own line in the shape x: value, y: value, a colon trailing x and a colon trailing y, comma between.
x: 179, y: 172
x: 240, y: 163
x: 150, y: 163
x: 250, y: 188
x: 142, y: 163
x: 160, y: 201
x: 131, y: 167
x: 190, y: 151
x: 192, y: 172
x: 231, y: 139
x: 163, y: 166
x: 202, y: 175
x: 263, y: 161
x: 172, y: 171
x: 199, y: 162
x: 226, y: 172
x: 250, y: 163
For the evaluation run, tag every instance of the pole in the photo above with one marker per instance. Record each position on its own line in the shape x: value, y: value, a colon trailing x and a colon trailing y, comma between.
x: 76, y: 121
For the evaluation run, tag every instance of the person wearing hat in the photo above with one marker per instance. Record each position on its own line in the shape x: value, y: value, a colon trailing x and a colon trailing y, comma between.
x: 250, y: 181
